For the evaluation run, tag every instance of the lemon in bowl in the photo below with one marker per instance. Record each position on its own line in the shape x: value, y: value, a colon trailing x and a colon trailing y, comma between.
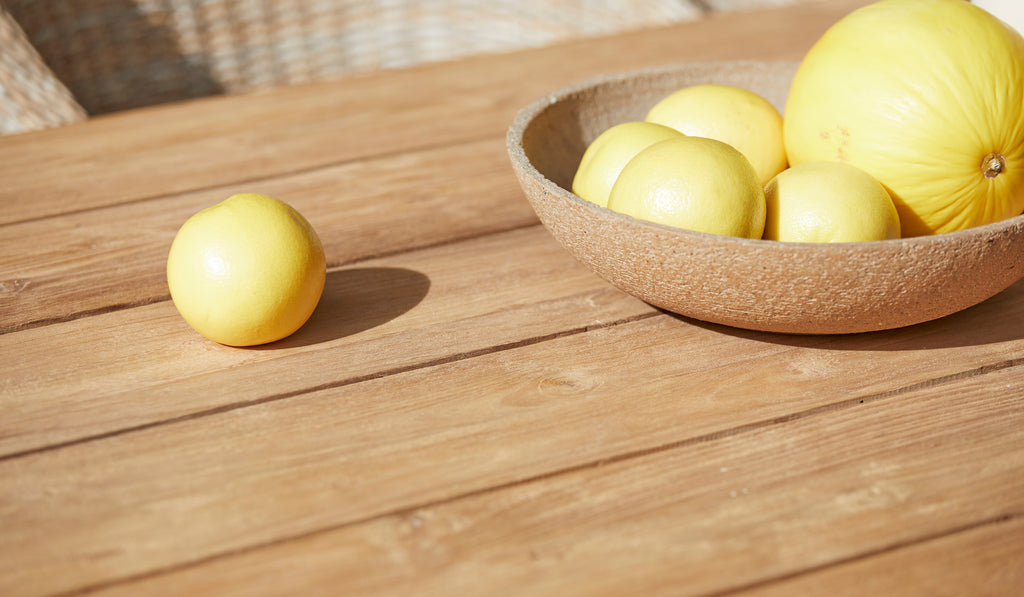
x: 788, y: 287
x: 828, y: 202
x: 609, y: 153
x: 695, y: 183
x: 730, y: 114
x: 249, y: 270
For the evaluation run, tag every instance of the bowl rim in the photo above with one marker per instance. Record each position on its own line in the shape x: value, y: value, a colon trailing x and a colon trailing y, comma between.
x: 526, y: 115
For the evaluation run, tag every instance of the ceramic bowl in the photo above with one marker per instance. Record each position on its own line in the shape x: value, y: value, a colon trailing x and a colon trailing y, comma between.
x: 798, y: 288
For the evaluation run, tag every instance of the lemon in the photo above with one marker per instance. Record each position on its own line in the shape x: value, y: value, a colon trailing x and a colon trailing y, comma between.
x: 249, y: 270
x: 694, y: 183
x: 828, y: 202
x: 729, y: 114
x: 608, y: 153
x: 926, y: 96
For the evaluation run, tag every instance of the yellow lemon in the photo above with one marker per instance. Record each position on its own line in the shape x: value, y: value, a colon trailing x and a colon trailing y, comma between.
x: 729, y: 114
x: 828, y: 202
x: 246, y: 271
x: 608, y: 153
x: 926, y: 96
x: 694, y: 183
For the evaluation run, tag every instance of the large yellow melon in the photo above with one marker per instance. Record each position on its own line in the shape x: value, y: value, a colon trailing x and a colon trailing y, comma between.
x: 927, y: 96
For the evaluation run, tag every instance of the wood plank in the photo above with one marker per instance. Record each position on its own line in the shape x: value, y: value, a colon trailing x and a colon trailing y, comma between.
x: 134, y: 367
x: 226, y: 481
x: 706, y: 515
x: 59, y: 268
x: 222, y: 141
x: 144, y: 365
x: 986, y: 561
x: 470, y: 411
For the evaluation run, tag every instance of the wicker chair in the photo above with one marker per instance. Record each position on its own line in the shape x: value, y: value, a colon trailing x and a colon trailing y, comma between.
x: 65, y: 59
x: 30, y: 96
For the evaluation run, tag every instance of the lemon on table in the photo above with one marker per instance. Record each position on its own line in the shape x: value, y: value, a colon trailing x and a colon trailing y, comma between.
x: 828, y: 202
x: 608, y: 153
x: 729, y: 114
x: 247, y: 271
x: 694, y: 183
x: 927, y: 96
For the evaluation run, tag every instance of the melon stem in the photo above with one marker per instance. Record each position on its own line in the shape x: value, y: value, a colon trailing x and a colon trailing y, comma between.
x: 993, y: 165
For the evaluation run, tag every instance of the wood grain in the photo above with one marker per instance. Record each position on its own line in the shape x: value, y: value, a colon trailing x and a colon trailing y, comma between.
x: 142, y: 365
x: 712, y: 514
x: 59, y: 268
x: 255, y: 475
x: 221, y: 141
x: 982, y: 561
x: 470, y: 411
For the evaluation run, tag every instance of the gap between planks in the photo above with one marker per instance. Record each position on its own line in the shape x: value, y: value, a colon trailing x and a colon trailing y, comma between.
x: 226, y: 408
x: 224, y: 185
x: 321, y: 111
x: 331, y: 268
x: 861, y: 557
x: 511, y: 345
x: 334, y: 263
x: 624, y: 457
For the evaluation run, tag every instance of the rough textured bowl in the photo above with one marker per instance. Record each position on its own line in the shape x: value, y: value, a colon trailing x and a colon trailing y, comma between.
x: 753, y: 284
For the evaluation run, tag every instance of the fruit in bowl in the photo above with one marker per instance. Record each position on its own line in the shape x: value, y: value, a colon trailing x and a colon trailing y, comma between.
x: 729, y: 114
x: 927, y: 96
x: 828, y: 202
x: 943, y: 135
x: 605, y: 157
x: 842, y: 287
x: 695, y: 183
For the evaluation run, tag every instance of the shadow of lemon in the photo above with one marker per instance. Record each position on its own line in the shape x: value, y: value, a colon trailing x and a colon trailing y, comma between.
x: 358, y: 299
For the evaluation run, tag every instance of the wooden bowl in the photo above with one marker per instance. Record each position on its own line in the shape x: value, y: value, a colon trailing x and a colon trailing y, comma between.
x: 797, y: 288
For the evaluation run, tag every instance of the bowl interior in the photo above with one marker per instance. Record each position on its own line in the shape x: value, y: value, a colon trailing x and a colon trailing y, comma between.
x: 754, y: 284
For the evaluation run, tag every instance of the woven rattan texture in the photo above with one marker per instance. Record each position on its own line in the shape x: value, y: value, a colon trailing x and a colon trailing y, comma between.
x: 119, y: 54
x: 30, y: 96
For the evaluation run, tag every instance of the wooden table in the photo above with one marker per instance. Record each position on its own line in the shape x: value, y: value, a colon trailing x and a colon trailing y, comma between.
x: 469, y: 411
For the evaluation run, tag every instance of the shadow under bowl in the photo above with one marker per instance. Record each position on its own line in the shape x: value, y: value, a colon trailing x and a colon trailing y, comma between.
x: 797, y: 288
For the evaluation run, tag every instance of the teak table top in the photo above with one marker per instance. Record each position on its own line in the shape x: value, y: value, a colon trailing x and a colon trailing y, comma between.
x: 469, y: 411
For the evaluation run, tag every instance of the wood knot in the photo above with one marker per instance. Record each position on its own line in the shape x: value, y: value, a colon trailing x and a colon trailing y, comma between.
x: 565, y: 385
x: 13, y: 286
